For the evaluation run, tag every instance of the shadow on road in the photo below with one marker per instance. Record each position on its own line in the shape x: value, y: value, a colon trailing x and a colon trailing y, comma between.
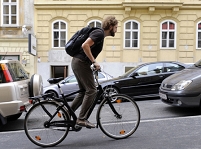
x: 13, y: 125
x: 187, y: 111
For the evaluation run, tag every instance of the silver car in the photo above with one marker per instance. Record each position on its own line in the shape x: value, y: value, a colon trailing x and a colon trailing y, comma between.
x: 69, y: 85
x: 14, y: 90
x: 183, y: 89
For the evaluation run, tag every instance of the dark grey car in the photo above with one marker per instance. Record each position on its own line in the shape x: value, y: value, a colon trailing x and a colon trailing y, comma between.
x: 183, y: 89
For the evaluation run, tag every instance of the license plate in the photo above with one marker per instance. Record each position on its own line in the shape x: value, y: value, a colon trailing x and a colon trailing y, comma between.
x: 163, y: 96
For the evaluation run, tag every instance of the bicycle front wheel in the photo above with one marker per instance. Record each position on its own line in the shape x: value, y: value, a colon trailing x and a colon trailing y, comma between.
x: 37, y: 128
x: 122, y: 124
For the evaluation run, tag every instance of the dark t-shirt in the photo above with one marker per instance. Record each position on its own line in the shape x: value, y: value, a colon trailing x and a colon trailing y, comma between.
x: 97, y: 36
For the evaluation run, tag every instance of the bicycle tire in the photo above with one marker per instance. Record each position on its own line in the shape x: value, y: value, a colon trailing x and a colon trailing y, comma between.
x: 34, y: 124
x: 111, y: 125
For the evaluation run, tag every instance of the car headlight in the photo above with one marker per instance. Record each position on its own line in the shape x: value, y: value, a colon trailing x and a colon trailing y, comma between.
x: 181, y: 85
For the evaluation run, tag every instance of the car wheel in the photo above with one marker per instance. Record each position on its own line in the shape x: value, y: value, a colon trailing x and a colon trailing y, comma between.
x: 53, y: 92
x: 14, y: 117
x: 111, y: 90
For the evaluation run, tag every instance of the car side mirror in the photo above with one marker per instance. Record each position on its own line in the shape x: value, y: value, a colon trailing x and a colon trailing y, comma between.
x: 134, y: 75
x: 62, y: 82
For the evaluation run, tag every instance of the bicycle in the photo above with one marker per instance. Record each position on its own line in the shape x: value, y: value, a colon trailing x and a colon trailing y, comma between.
x: 49, y: 120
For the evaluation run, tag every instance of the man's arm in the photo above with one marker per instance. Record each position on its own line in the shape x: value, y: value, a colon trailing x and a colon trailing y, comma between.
x: 87, y: 50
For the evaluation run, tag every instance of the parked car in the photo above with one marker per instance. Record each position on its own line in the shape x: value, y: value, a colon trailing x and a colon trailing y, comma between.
x: 183, y: 89
x: 14, y: 90
x: 54, y: 80
x: 69, y: 85
x: 144, y: 80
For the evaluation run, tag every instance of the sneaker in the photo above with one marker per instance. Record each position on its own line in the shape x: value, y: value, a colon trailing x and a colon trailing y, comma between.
x: 85, y: 123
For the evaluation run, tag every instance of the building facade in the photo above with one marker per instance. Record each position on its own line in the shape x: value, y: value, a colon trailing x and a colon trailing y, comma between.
x: 148, y: 30
x: 16, y: 22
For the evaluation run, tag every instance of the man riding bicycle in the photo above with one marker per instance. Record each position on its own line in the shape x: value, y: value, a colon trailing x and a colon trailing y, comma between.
x: 81, y: 63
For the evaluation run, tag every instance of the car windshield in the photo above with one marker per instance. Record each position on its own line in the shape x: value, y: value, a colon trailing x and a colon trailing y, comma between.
x: 17, y: 71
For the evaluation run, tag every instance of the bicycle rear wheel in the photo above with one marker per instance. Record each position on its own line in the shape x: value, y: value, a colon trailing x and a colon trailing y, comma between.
x: 36, y: 124
x: 122, y: 126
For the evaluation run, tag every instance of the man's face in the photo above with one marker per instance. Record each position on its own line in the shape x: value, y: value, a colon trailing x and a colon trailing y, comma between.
x: 113, y: 30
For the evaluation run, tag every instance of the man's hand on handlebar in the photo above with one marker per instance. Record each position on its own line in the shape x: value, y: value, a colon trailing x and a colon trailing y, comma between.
x: 96, y: 66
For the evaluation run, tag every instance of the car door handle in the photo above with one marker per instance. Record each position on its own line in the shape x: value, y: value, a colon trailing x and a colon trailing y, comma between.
x: 161, y: 76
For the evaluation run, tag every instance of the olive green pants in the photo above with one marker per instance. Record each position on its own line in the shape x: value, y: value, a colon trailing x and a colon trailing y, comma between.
x: 85, y: 79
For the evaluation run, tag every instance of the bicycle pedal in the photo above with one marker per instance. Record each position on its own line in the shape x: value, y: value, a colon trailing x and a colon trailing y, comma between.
x: 76, y: 128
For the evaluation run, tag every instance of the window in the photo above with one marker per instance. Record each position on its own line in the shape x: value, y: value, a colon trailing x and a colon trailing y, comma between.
x: 170, y: 67
x: 168, y: 32
x: 128, y: 68
x: 95, y: 23
x: 59, y: 71
x: 131, y: 34
x: 198, y: 38
x: 9, y: 13
x: 59, y: 34
x: 9, y: 57
x: 71, y: 80
x: 100, y: 75
x: 2, y: 77
x: 151, y: 69
x: 17, y: 71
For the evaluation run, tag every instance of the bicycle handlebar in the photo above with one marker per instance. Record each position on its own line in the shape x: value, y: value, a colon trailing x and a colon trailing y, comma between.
x: 95, y: 72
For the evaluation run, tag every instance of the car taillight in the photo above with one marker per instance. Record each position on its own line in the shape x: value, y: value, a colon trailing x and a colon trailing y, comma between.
x: 6, y: 73
x: 30, y: 101
x: 22, y: 108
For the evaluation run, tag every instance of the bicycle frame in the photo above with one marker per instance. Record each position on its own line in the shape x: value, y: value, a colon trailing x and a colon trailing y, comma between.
x: 101, y: 95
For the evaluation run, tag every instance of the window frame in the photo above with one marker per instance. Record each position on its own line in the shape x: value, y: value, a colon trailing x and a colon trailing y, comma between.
x: 131, y: 30
x: 17, y: 13
x: 168, y: 30
x: 197, y: 31
x: 95, y: 21
x: 59, y: 30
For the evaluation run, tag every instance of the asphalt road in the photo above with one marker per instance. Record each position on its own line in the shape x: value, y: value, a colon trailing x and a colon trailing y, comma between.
x: 161, y: 127
x: 150, y: 110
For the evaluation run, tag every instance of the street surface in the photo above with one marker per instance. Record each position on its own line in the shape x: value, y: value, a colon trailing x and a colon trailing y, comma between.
x: 161, y: 127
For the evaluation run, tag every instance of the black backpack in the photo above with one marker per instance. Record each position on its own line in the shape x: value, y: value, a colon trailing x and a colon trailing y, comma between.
x: 73, y: 46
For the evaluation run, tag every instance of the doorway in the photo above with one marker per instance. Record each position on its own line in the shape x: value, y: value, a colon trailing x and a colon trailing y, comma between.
x: 59, y: 71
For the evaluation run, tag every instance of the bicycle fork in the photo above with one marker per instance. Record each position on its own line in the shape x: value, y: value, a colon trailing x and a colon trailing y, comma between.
x: 117, y: 115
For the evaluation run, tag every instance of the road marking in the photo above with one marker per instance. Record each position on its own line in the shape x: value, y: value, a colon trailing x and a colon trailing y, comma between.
x: 7, y: 132
x: 157, y: 103
x: 173, y: 118
x: 141, y: 121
